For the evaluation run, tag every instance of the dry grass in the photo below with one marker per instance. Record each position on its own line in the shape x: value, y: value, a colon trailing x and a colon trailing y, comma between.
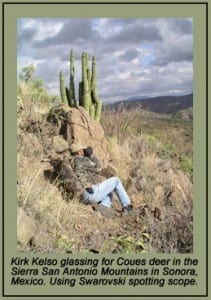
x: 157, y: 180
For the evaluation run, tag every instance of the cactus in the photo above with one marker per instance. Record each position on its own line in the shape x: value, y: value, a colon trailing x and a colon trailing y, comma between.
x: 89, y: 75
x: 68, y: 96
x: 88, y: 96
x: 62, y: 88
x: 92, y: 111
x: 72, y: 85
x: 95, y: 99
x: 80, y: 93
x: 86, y: 93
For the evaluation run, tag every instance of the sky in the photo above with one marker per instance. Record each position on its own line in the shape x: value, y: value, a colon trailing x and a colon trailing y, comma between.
x: 135, y: 57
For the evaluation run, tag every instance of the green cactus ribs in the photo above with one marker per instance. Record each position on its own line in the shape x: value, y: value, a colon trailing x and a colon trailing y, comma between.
x: 72, y: 85
x: 87, y: 91
x: 62, y: 88
x: 97, y: 103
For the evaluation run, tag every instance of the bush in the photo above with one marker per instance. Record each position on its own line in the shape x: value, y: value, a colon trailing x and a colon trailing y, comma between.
x: 186, y: 164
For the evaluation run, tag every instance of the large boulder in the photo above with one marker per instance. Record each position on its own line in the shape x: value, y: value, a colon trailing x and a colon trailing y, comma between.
x: 59, y: 144
x: 77, y: 126
x: 26, y: 228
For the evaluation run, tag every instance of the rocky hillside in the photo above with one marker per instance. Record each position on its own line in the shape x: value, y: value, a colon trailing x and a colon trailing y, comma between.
x: 156, y: 171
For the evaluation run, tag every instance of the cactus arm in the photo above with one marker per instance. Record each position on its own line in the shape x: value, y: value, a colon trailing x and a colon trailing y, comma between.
x: 92, y: 111
x: 80, y: 93
x: 62, y: 88
x: 72, y: 85
x: 68, y: 96
x: 86, y: 98
x: 86, y: 95
x: 95, y: 99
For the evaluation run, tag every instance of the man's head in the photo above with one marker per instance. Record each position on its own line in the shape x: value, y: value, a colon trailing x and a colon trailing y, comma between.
x: 77, y: 149
x: 88, y: 151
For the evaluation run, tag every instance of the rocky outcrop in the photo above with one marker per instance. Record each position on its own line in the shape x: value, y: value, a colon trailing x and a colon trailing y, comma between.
x: 26, y: 228
x: 59, y: 144
x: 77, y: 126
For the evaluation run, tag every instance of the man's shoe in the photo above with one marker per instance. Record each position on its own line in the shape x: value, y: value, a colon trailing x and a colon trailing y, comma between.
x: 127, y: 209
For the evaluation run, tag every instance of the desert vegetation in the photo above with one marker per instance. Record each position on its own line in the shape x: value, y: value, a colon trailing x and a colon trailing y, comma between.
x: 151, y: 153
x: 88, y: 96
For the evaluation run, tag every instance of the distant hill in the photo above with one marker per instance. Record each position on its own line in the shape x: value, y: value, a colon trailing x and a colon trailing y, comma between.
x: 184, y: 114
x: 171, y: 105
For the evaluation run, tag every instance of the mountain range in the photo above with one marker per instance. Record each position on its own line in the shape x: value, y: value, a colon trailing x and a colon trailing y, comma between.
x: 171, y: 105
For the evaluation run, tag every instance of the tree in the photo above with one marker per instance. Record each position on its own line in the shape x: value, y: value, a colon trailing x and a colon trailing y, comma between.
x: 27, y: 73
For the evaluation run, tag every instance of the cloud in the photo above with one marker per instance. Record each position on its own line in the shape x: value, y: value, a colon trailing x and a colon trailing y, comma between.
x: 181, y: 26
x: 136, y: 34
x: 26, y: 35
x: 72, y: 31
x: 129, y: 55
x: 135, y: 57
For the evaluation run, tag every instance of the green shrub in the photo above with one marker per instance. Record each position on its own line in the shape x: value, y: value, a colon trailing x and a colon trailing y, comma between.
x: 128, y: 244
x: 186, y: 164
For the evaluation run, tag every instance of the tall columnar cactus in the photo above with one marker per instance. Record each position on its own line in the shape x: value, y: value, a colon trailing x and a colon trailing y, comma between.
x: 86, y: 93
x: 88, y: 96
x: 95, y: 99
x: 62, y: 88
x: 72, y: 84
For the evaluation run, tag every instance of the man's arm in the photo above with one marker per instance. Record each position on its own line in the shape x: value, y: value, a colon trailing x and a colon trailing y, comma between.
x: 87, y: 164
x: 97, y: 163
